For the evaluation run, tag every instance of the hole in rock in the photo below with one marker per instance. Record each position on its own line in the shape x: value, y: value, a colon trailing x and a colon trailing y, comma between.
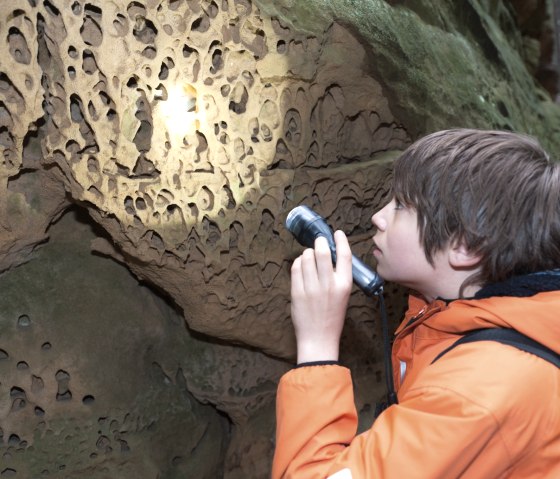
x: 92, y: 111
x: 144, y: 168
x: 188, y: 51
x: 124, y: 446
x: 18, y: 46
x: 143, y: 137
x: 91, y: 32
x: 51, y: 8
x: 166, y: 65
x: 76, y: 109
x: 17, y: 392
x: 65, y: 396
x: 89, y: 65
x: 201, y: 24
x: 121, y: 25
x: 149, y: 52
x: 93, y: 10
x: 18, y: 404
x: 24, y: 321
x: 238, y: 99
x: 22, y: 366
x: 217, y: 61
x: 63, y: 379
x: 194, y: 209
x: 93, y: 165
x: 132, y: 82
x: 103, y: 442
x: 174, y: 4
x: 145, y: 31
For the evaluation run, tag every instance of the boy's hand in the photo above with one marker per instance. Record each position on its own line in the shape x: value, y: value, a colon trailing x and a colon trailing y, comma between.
x: 319, y: 298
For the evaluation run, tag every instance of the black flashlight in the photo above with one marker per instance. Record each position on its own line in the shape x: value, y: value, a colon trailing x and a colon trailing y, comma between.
x: 306, y: 226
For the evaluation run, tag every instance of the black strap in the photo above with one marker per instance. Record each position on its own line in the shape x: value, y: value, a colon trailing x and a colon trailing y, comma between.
x: 317, y: 363
x: 391, y: 394
x: 510, y: 337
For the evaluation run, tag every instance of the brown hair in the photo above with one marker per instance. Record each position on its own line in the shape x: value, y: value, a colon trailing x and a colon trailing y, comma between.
x: 496, y: 191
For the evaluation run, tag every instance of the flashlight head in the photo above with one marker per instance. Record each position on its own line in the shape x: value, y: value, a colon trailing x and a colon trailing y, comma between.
x: 306, y: 226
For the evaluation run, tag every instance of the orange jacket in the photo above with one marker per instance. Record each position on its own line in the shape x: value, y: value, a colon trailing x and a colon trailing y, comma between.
x: 484, y: 410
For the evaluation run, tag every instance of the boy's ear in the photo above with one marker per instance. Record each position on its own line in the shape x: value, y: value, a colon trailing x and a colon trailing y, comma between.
x: 461, y: 257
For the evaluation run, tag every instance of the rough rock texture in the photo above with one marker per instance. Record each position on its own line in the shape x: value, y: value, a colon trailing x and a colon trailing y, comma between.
x: 95, y: 372
x: 187, y: 129
x: 452, y: 63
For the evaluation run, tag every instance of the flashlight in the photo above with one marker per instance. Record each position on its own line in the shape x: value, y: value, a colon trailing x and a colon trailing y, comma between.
x: 306, y: 226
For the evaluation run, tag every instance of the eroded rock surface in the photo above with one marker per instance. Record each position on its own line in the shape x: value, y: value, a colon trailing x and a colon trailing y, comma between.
x: 85, y: 389
x: 100, y: 378
x: 187, y: 129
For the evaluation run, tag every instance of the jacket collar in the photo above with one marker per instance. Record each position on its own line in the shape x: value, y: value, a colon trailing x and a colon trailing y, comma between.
x: 516, y: 286
x: 523, y: 285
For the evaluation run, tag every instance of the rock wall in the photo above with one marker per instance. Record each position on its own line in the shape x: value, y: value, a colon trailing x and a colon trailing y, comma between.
x: 185, y: 131
x: 94, y: 371
x: 188, y: 129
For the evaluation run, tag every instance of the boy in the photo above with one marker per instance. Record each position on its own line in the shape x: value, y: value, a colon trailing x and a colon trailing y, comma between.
x: 474, y: 230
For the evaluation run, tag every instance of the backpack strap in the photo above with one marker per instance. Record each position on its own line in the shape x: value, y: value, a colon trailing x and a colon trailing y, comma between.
x: 510, y: 337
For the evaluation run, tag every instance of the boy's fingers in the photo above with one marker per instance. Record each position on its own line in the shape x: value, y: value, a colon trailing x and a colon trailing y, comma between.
x: 343, y: 254
x: 308, y: 268
x: 323, y: 258
x: 297, y: 277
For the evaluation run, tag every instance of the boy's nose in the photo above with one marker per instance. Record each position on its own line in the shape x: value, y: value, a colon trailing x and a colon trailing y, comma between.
x: 378, y: 220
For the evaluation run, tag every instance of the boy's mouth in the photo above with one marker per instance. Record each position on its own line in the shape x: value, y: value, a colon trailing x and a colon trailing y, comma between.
x: 376, y: 248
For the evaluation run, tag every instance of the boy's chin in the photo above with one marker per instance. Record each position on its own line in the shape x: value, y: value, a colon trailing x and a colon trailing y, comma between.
x: 384, y: 272
x: 391, y: 277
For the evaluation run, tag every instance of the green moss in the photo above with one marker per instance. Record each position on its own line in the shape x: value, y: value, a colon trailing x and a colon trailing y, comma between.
x: 442, y: 65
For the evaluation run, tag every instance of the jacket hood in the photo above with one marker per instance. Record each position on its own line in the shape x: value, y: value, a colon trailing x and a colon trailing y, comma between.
x: 529, y: 304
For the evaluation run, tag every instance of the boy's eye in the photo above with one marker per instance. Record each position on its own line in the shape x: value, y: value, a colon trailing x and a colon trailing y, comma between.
x: 398, y: 204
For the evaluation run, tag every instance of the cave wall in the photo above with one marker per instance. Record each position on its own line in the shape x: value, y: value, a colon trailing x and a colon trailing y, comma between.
x: 169, y: 139
x: 187, y: 129
x: 94, y: 371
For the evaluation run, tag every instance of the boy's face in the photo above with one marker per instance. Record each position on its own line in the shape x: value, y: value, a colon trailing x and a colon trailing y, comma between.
x: 398, y: 251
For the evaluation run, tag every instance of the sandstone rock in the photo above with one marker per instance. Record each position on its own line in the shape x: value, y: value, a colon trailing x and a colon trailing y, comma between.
x: 188, y: 129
